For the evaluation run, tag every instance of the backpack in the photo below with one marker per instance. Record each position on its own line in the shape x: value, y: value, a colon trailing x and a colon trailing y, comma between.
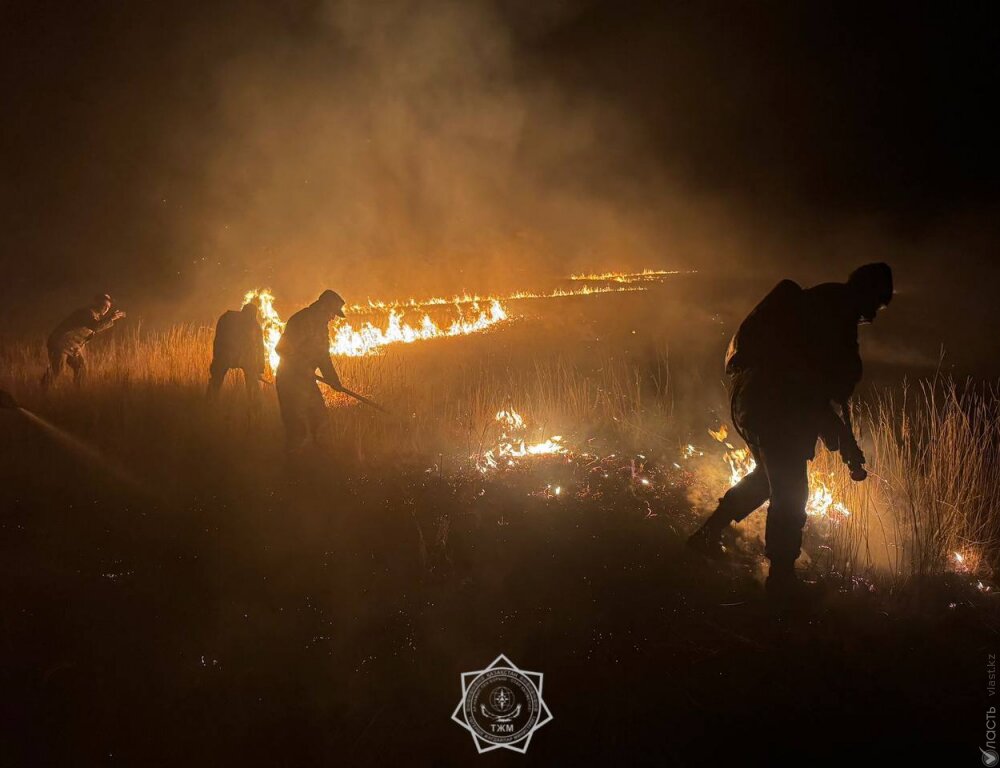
x: 771, y: 334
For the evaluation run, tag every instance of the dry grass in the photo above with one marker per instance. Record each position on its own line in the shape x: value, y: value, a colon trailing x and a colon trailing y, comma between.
x: 930, y: 503
x: 441, y: 401
x: 933, y: 492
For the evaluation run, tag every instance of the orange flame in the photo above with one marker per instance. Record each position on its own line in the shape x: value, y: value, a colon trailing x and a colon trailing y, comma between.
x: 270, y: 320
x: 368, y: 338
x: 511, y: 444
x: 647, y: 275
x: 821, y: 502
x: 473, y: 314
x: 626, y: 286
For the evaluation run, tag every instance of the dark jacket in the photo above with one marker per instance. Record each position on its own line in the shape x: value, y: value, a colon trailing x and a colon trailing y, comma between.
x: 77, y: 329
x: 305, y: 344
x: 239, y: 342
x: 802, y: 338
x: 793, y: 354
x: 830, y: 328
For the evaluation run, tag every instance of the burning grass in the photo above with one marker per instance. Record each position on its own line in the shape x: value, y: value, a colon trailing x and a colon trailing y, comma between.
x: 929, y: 505
x: 587, y: 421
x: 470, y: 314
x: 532, y: 489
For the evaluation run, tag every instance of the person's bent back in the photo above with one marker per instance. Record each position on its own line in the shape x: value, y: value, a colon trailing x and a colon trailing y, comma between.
x: 794, y: 362
x: 238, y: 343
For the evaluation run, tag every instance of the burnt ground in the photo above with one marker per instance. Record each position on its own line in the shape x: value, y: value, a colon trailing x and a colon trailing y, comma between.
x: 325, y: 620
x: 238, y: 610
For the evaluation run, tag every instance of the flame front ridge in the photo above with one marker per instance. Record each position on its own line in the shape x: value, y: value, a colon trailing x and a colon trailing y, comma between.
x: 436, y: 301
x: 368, y: 338
x: 646, y: 275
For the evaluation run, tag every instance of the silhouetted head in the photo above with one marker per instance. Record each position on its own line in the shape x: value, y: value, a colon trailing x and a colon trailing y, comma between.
x: 332, y: 302
x: 102, y: 303
x: 7, y: 400
x: 251, y: 311
x: 871, y: 286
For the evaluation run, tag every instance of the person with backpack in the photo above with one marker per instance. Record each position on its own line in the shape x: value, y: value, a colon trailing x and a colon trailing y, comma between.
x: 793, y: 364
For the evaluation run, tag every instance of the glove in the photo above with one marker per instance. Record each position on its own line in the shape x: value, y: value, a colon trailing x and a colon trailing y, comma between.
x: 853, y: 457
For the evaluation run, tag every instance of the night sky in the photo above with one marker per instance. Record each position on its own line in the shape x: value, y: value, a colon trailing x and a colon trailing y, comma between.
x: 178, y: 153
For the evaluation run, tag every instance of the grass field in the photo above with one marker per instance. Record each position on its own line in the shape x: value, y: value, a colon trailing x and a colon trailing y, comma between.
x: 932, y: 446
x: 183, y: 574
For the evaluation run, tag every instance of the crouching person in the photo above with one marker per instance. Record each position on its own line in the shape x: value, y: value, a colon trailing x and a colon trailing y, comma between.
x: 239, y: 343
x: 66, y: 343
x: 792, y: 363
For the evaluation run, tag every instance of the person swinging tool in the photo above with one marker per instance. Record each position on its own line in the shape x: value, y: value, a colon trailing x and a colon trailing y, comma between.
x: 303, y: 348
x: 792, y: 362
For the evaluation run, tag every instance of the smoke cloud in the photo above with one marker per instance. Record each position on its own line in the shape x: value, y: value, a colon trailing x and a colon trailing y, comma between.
x: 178, y: 156
x: 400, y: 149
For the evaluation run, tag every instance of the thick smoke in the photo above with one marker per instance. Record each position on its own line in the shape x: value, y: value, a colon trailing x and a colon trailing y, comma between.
x: 399, y: 149
x: 178, y: 155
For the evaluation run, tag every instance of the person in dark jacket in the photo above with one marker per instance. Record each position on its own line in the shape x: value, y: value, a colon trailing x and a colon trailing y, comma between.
x: 65, y: 344
x: 793, y: 365
x: 303, y: 348
x: 239, y: 343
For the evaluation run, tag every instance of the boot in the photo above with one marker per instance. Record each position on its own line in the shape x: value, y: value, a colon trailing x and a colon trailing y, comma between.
x: 782, y: 585
x: 707, y: 540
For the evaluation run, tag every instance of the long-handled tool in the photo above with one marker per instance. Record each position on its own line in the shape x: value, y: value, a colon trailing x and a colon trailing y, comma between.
x: 350, y: 393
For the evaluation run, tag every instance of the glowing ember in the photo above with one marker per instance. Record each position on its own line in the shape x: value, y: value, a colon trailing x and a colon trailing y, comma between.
x: 689, y: 452
x: 511, y: 444
x: 966, y: 561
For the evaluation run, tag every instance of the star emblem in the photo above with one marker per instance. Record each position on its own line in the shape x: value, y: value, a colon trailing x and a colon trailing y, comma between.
x: 501, y: 706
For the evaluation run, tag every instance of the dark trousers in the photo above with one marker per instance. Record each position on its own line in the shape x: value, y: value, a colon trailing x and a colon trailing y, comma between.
x: 303, y: 410
x: 61, y: 358
x: 218, y: 371
x: 781, y: 476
